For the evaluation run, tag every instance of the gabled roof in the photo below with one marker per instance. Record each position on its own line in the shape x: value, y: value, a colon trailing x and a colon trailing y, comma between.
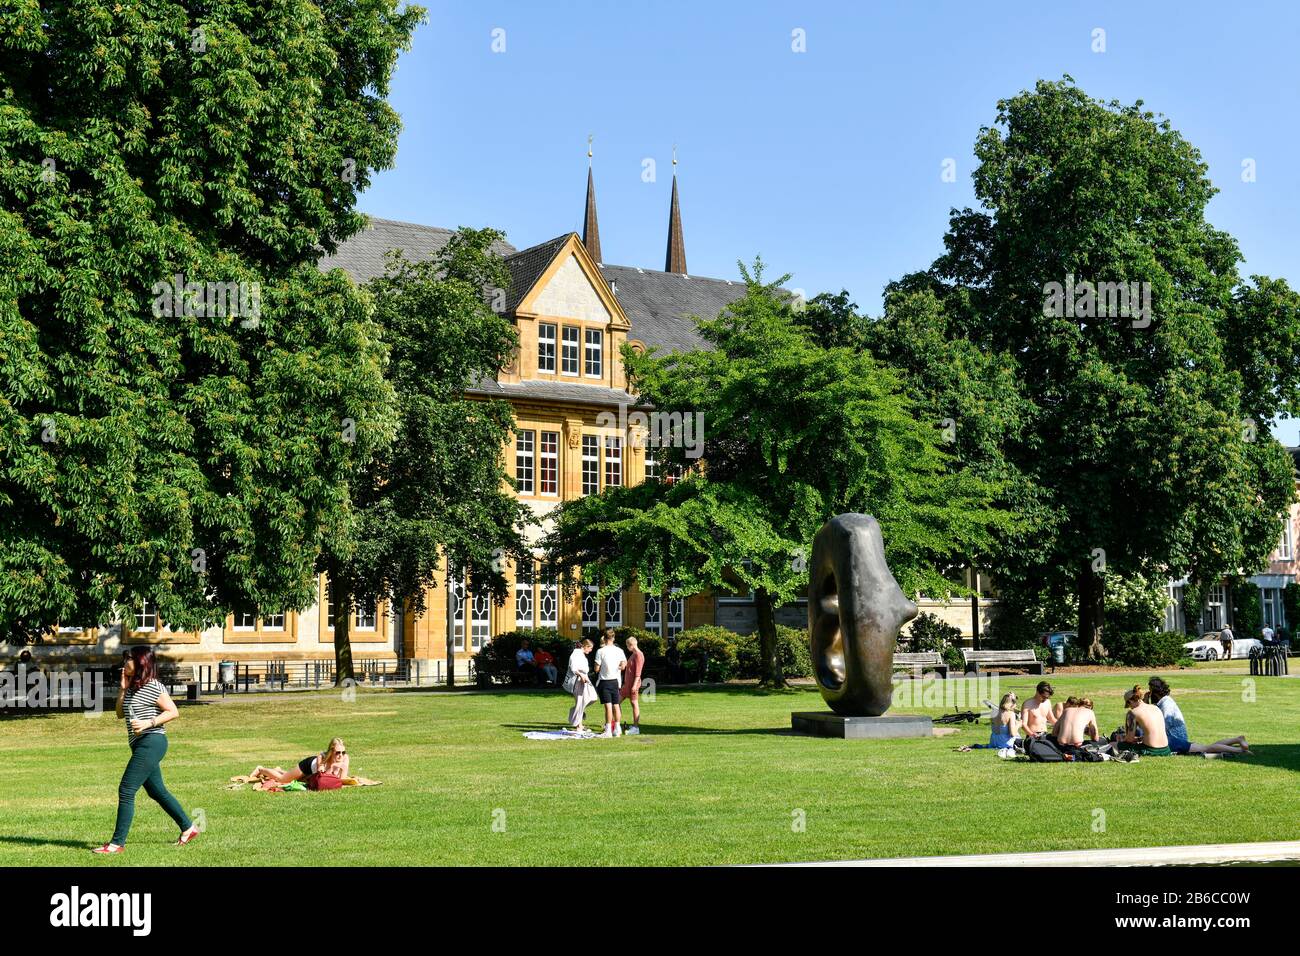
x: 363, y: 255
x: 659, y: 305
x: 527, y: 265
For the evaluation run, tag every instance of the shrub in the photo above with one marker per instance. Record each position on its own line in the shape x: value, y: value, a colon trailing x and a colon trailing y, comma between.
x: 651, y: 645
x: 791, y: 648
x: 708, y: 653
x: 499, y: 652
x: 929, y: 632
x: 1147, y: 648
x: 1247, y: 614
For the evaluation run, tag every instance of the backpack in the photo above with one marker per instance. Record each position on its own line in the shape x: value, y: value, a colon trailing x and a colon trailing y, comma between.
x: 323, y: 781
x: 1043, y: 750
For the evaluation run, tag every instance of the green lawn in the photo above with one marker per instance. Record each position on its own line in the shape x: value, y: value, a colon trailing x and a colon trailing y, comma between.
x: 716, y: 778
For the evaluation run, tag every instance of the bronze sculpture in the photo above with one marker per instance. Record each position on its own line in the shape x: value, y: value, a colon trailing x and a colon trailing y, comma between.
x: 855, y: 610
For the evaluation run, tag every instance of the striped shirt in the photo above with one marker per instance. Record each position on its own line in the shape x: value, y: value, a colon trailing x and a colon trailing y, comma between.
x: 142, y: 704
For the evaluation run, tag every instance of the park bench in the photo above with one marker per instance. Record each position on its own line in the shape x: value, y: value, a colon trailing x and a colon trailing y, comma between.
x: 503, y: 672
x: 1022, y: 660
x: 920, y: 662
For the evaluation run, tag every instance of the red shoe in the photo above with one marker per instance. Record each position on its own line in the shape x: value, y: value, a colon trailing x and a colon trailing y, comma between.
x: 109, y: 848
x: 188, y: 835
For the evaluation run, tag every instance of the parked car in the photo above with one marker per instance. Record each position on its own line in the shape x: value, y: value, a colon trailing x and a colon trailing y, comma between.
x: 1209, y: 648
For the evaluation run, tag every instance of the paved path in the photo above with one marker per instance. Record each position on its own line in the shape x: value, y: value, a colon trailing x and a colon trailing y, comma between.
x: 1129, y: 856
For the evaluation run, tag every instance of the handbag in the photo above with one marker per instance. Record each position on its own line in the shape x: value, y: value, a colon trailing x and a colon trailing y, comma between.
x: 324, y: 781
x: 569, y: 681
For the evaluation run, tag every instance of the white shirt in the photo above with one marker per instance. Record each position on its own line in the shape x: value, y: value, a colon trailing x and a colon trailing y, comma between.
x: 1268, y: 634
x: 578, y: 661
x: 607, y: 659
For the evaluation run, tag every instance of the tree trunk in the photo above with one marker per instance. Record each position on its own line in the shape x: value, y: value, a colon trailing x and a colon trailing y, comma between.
x: 451, y: 628
x: 769, y: 663
x: 1092, y: 607
x: 341, y: 605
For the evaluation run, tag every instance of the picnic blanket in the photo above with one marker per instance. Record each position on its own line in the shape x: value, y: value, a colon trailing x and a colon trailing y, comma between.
x: 560, y: 735
x: 239, y: 781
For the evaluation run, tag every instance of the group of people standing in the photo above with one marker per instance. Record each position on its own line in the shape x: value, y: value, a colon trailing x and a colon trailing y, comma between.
x: 1153, y: 724
x: 617, y: 678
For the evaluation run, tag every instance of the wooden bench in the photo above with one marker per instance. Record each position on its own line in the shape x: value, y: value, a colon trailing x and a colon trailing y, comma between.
x: 1022, y: 660
x: 920, y: 662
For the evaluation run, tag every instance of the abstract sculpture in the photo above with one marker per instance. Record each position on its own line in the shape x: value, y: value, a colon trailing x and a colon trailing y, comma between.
x: 855, y: 609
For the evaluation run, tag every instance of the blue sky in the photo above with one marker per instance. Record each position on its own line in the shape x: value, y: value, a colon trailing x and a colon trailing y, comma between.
x: 827, y: 162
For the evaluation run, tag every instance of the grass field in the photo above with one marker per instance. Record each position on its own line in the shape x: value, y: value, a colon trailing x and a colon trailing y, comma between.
x: 715, y: 778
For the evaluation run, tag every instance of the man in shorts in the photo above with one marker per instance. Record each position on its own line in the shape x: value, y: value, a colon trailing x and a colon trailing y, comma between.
x: 632, y: 683
x: 610, y: 663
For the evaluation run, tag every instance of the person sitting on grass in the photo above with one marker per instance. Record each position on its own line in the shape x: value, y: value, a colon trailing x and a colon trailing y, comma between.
x: 1176, y: 727
x: 1077, y: 722
x: 1147, y: 737
x: 332, y: 762
x: 1059, y: 710
x: 1037, y: 712
x: 1004, y: 727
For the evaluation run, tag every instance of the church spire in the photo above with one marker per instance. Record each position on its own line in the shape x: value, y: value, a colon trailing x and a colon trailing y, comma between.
x: 675, y: 260
x: 590, y: 228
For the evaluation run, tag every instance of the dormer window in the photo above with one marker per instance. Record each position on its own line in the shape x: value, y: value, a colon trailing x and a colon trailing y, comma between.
x: 546, y: 347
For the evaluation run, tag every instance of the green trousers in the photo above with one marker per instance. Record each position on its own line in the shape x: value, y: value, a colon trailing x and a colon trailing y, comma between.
x: 144, y: 769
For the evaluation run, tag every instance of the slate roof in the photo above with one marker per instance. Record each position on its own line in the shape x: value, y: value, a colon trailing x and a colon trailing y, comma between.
x: 658, y: 304
x: 549, y: 391
x: 362, y: 256
x: 527, y: 265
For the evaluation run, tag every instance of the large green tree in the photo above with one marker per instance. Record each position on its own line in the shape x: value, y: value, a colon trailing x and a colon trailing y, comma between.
x: 1146, y: 436
x: 156, y: 440
x: 440, y: 487
x: 793, y: 434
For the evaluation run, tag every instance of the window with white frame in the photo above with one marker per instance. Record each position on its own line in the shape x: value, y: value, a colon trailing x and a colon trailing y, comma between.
x: 367, y: 616
x: 1270, y: 602
x: 546, y: 347
x: 524, y: 595
x: 524, y: 448
x: 550, y: 470
x: 329, y: 605
x: 614, y: 608
x: 676, y: 612
x: 548, y: 600
x: 1285, y: 551
x: 273, y: 622
x: 1213, y: 618
x: 594, y: 353
x: 480, y: 621
x: 146, y: 617
x: 245, y: 621
x: 651, y: 463
x: 1174, y: 608
x: 457, y: 597
x: 590, y: 465
x: 653, y: 608
x: 590, y: 606
x: 613, y: 461
x: 569, y: 351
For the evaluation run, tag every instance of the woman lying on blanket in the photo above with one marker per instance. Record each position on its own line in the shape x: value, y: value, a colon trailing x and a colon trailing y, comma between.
x: 333, y: 762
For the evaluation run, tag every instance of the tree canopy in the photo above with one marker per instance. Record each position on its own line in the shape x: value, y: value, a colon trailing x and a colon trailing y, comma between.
x: 794, y: 433
x: 182, y: 393
x: 1146, y: 370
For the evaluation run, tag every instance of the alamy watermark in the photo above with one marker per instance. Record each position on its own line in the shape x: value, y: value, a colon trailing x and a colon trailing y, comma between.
x: 213, y: 300
x: 658, y: 429
x: 1098, y: 300
x: 25, y: 688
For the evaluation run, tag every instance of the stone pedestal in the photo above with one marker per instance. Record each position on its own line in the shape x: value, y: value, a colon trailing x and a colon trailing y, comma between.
x: 824, y: 723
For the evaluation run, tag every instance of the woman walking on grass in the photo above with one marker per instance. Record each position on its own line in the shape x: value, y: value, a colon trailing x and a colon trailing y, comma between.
x: 146, y: 706
x: 578, y: 682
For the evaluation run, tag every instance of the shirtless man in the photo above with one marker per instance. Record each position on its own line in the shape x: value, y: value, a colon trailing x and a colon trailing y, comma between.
x: 1076, y: 723
x: 1150, y: 720
x: 1037, y: 712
